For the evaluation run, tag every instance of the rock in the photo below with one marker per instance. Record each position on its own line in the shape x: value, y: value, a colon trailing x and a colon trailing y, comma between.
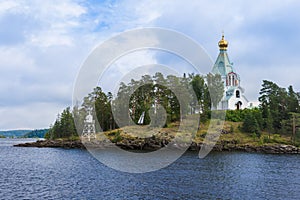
x: 68, y: 144
x: 156, y: 143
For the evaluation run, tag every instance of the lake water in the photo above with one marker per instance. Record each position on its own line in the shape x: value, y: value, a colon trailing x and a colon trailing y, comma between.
x: 52, y: 173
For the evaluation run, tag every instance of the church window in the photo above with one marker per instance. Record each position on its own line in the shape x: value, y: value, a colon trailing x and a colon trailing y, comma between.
x: 237, y: 94
x: 238, y: 105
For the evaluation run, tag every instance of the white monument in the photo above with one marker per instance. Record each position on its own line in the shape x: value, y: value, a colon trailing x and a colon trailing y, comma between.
x: 89, y: 130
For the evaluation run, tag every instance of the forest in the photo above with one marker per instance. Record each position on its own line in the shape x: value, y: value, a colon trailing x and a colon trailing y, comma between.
x: 278, y: 111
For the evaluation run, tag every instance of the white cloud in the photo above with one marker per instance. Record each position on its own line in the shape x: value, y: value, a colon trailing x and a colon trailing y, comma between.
x: 263, y: 35
x: 7, y: 5
x: 29, y: 116
x: 43, y: 44
x: 38, y: 66
x: 124, y: 66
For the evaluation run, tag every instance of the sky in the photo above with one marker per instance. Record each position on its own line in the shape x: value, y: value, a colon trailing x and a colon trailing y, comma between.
x: 44, y: 43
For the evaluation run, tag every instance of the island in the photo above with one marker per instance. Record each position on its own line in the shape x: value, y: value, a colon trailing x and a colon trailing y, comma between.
x: 164, y: 101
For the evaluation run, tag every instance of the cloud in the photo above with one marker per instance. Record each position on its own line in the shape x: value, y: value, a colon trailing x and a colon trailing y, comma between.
x: 40, y: 56
x: 7, y: 5
x: 123, y: 66
x: 263, y: 36
x: 44, y: 43
x: 29, y: 116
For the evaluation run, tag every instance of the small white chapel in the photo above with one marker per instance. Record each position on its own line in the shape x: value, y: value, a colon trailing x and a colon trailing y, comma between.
x: 233, y: 98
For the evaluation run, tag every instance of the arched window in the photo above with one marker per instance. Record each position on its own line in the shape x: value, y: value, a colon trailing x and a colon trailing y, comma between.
x: 237, y: 94
x: 232, y: 79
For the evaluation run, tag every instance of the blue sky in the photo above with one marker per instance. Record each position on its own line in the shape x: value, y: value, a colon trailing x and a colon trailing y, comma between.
x: 44, y: 43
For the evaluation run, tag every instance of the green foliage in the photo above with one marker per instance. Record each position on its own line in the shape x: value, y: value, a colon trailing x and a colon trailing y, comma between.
x: 47, y: 135
x: 266, y: 139
x: 250, y: 124
x: 38, y: 133
x: 234, y: 115
x: 274, y: 105
x: 117, y: 137
x: 278, y: 107
x: 143, y: 96
x: 146, y: 94
x: 203, y: 98
x: 239, y: 115
x: 273, y: 115
x: 101, y: 104
x: 14, y: 133
x: 64, y: 126
x: 276, y: 138
x: 293, y: 100
x: 297, y: 137
x: 254, y: 136
x: 216, y: 88
x: 251, y: 118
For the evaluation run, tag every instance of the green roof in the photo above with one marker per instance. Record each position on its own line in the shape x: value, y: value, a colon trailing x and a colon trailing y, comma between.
x: 222, y: 65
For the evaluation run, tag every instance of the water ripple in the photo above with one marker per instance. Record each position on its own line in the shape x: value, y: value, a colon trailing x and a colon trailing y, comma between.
x: 48, y: 173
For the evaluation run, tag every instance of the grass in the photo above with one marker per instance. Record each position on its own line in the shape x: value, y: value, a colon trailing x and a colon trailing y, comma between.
x: 231, y: 133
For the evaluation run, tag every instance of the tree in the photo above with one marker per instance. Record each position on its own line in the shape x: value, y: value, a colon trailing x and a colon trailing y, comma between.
x: 273, y: 103
x: 250, y: 124
x: 293, y: 100
x: 269, y: 123
x: 202, y: 94
x: 216, y: 88
x: 291, y: 125
x: 276, y: 105
x: 64, y: 126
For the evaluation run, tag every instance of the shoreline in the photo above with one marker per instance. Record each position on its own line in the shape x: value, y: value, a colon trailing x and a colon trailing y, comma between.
x: 66, y: 144
x: 219, y: 147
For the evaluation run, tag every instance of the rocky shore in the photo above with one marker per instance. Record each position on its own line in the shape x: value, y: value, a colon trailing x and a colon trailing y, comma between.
x: 154, y: 145
x: 67, y: 144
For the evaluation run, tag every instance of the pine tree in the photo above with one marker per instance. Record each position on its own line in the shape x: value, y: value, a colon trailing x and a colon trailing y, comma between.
x: 250, y: 124
x: 64, y: 126
x: 293, y: 100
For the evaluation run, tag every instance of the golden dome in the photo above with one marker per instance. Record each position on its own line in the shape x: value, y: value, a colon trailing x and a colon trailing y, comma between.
x: 223, y: 44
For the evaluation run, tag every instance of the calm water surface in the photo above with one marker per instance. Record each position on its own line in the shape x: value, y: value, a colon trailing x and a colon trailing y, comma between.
x: 48, y: 173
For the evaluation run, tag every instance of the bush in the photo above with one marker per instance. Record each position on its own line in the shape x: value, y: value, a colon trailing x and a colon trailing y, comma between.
x: 266, y: 139
x: 277, y: 139
x: 250, y: 124
x: 254, y: 136
x: 117, y: 137
x: 234, y: 115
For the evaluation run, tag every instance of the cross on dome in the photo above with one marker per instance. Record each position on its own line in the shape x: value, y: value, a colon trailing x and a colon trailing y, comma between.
x: 223, y: 44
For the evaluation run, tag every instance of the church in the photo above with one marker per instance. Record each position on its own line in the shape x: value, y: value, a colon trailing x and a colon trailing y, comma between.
x: 233, y: 98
